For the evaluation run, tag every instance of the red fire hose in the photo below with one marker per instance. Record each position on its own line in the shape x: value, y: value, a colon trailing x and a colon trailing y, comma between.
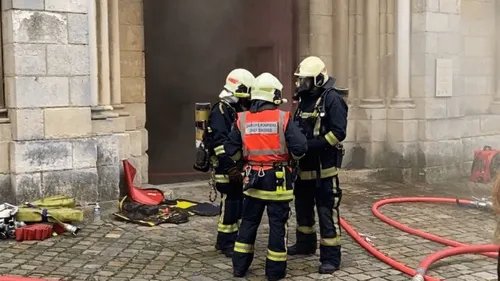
x: 419, y: 274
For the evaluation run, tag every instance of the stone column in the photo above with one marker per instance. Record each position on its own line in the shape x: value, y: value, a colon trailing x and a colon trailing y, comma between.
x: 340, y: 44
x: 104, y: 103
x: 495, y: 106
x: 320, y: 37
x: 371, y: 55
x: 402, y: 98
x: 114, y: 54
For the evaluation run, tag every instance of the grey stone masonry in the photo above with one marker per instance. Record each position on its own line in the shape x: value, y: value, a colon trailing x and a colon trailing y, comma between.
x: 53, y: 148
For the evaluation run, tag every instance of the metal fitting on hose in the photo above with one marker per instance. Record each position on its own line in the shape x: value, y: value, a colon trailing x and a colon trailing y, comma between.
x: 418, y: 277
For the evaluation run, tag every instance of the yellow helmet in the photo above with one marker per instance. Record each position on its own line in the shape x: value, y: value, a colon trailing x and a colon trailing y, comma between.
x: 238, y: 83
x: 267, y: 88
x: 313, y: 67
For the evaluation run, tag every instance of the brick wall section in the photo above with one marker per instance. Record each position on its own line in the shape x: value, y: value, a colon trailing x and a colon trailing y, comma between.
x: 46, y: 64
x: 133, y: 81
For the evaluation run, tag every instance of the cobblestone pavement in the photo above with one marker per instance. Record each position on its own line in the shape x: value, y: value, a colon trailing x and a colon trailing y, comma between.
x: 119, y: 251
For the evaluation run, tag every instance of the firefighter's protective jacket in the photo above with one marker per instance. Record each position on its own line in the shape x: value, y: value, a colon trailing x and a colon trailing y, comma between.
x: 262, y: 166
x: 221, y: 119
x: 322, y: 117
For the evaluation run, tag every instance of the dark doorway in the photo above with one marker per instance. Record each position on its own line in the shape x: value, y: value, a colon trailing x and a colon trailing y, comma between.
x: 190, y: 47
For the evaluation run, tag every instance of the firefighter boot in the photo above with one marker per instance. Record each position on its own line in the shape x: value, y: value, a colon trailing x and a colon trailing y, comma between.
x: 228, y: 252
x: 306, y: 244
x: 327, y: 268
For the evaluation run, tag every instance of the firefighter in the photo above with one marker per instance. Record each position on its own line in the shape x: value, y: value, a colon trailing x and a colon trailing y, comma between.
x: 221, y: 119
x: 266, y: 141
x: 322, y: 116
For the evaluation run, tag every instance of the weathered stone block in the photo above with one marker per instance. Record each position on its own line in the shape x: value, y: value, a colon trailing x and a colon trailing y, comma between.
x: 476, y: 105
x: 138, y: 110
x: 67, y: 122
x: 131, y: 38
x: 23, y: 4
x: 322, y: 44
x: 6, y: 192
x: 478, y: 46
x: 35, y: 156
x: 351, y: 131
x: 439, y: 153
x: 477, y: 66
x: 4, y: 157
x: 80, y: 184
x: 131, y: 13
x: 119, y: 124
x: 5, y: 132
x: 109, y: 182
x: 84, y: 153
x: 72, y: 6
x: 449, y: 43
x: 38, y: 27
x: 124, y: 140
x: 394, y: 113
x: 471, y: 125
x: 454, y: 108
x: 130, y: 123
x: 436, y: 22
x: 439, y: 129
x: 24, y: 59
x: 37, y: 91
x: 108, y: 150
x: 79, y: 91
x: 490, y: 124
x: 449, y: 6
x: 320, y: 7
x: 401, y: 155
x: 144, y: 168
x: 26, y: 187
x: 135, y: 143
x: 430, y: 108
x: 144, y: 140
x: 371, y: 130
x: 402, y: 130
x: 132, y: 64
x: 102, y: 127
x: 68, y: 60
x: 133, y: 90
x: 27, y: 124
x: 476, y: 10
x: 78, y: 29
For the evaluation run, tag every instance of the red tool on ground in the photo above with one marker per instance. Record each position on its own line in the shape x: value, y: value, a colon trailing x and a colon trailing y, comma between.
x: 38, y: 231
x: 146, y: 196
x: 486, y: 164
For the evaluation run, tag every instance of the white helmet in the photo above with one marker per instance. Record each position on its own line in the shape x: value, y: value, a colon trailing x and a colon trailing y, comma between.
x: 238, y: 84
x: 267, y: 88
x: 313, y: 67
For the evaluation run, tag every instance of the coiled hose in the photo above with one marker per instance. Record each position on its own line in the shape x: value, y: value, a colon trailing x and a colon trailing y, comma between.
x: 489, y: 250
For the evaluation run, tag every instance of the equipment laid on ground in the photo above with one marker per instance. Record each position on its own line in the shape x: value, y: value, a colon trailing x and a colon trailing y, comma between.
x: 486, y: 164
x: 489, y: 250
x: 8, y: 221
x: 145, y: 196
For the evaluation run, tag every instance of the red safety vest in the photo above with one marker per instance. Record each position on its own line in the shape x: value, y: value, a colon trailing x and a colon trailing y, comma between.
x: 263, y: 136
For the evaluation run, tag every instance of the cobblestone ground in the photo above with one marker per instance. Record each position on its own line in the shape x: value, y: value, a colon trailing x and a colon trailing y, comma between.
x: 115, y: 250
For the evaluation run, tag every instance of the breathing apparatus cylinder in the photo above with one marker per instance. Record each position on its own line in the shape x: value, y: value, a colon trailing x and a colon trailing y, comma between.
x: 201, y: 114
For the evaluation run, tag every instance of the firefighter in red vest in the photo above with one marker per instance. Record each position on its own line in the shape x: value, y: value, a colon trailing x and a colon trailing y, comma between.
x: 233, y: 99
x: 267, y: 142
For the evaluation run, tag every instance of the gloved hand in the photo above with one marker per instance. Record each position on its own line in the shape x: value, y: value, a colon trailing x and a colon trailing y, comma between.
x: 316, y: 144
x: 235, y: 176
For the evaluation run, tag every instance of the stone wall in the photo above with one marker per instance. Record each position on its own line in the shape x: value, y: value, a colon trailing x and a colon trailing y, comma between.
x: 53, y: 144
x: 450, y: 128
x: 133, y: 82
x: 433, y: 138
